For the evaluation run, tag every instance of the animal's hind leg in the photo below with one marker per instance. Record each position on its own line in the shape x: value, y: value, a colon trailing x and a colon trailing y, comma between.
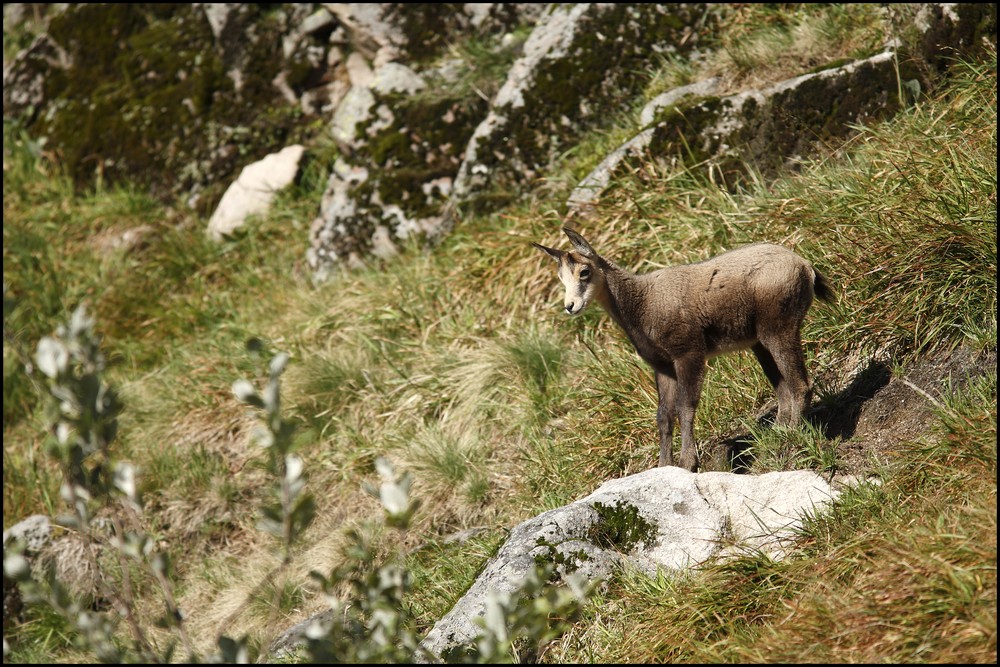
x: 784, y: 364
x: 666, y: 390
x: 774, y: 377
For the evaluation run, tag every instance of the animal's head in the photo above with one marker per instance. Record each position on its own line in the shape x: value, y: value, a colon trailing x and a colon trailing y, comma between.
x: 579, y: 270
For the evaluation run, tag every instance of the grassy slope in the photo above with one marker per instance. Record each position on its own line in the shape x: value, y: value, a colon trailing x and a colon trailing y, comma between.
x: 459, y: 366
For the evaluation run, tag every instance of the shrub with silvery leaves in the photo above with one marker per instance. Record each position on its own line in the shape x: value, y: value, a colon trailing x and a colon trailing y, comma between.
x: 371, y: 623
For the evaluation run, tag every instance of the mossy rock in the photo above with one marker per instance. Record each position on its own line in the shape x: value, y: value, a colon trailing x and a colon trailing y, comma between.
x: 762, y: 130
x: 148, y: 98
x: 572, y: 87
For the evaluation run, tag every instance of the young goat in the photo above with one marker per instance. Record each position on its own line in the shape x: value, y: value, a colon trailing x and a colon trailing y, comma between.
x: 679, y: 317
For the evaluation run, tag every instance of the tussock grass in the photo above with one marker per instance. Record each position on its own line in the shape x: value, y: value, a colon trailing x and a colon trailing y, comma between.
x: 460, y: 366
x: 782, y: 448
x: 764, y: 44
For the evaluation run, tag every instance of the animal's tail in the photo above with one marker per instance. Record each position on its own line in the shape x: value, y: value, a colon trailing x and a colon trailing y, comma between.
x: 822, y: 288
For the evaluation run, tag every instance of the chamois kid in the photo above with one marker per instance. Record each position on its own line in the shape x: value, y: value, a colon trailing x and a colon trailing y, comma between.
x: 679, y: 317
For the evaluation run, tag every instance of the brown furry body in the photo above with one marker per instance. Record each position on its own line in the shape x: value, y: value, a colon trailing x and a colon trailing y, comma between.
x: 677, y: 318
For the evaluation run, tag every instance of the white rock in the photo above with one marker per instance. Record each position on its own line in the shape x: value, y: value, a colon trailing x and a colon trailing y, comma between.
x: 253, y: 191
x: 354, y: 109
x: 396, y: 78
x: 696, y: 517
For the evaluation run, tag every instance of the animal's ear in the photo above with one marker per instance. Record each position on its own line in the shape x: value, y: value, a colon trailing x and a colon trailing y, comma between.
x: 551, y: 252
x: 579, y: 243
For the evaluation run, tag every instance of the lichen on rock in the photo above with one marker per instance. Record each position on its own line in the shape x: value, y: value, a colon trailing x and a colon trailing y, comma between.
x: 756, y: 130
x: 401, y: 134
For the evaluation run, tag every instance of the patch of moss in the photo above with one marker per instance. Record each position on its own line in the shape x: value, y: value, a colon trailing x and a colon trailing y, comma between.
x: 620, y: 527
x: 426, y: 25
x: 417, y: 147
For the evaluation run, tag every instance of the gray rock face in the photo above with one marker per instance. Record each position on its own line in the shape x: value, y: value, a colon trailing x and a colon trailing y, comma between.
x: 772, y: 128
x: 399, y: 153
x: 220, y: 15
x: 767, y: 129
x: 577, y: 62
x: 354, y: 110
x: 371, y: 27
x: 952, y: 28
x: 388, y: 31
x: 692, y: 518
x: 210, y: 83
x: 391, y: 183
x: 24, y: 77
x: 418, y: 152
x: 184, y: 92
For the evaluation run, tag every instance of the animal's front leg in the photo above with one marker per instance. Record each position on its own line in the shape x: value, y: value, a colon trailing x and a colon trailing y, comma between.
x: 666, y: 390
x: 690, y: 374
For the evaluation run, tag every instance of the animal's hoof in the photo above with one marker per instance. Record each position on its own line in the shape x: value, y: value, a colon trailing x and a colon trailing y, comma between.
x: 690, y: 465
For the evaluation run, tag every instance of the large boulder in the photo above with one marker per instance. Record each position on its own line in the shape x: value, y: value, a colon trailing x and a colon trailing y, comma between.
x: 665, y: 519
x: 400, y: 136
x: 401, y: 129
x: 408, y: 137
x: 175, y: 98
x: 764, y: 130
x: 580, y: 61
x: 771, y: 129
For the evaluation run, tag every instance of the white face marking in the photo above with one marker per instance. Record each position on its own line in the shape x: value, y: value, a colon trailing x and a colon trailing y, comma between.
x: 577, y: 278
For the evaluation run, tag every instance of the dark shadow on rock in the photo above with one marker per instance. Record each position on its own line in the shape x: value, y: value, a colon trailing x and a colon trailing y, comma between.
x: 837, y: 415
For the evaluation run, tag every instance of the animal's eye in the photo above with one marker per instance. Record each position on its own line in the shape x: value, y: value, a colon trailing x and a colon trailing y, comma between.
x: 584, y: 274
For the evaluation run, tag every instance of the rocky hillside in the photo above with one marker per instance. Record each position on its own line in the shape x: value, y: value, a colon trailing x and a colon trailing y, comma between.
x: 357, y: 185
x: 423, y: 112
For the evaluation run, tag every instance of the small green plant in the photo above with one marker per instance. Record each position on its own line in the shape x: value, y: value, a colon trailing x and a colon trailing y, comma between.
x: 518, y: 626
x: 82, y: 416
x: 620, y: 527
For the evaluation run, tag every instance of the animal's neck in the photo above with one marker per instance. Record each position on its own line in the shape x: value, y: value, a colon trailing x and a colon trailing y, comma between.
x: 622, y: 300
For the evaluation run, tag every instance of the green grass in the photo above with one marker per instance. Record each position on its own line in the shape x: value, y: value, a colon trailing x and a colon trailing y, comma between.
x: 459, y: 366
x: 904, y: 571
x: 765, y: 43
x: 783, y: 448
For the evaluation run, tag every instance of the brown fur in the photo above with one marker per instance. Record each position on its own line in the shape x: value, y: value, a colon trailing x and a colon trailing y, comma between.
x: 677, y: 318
